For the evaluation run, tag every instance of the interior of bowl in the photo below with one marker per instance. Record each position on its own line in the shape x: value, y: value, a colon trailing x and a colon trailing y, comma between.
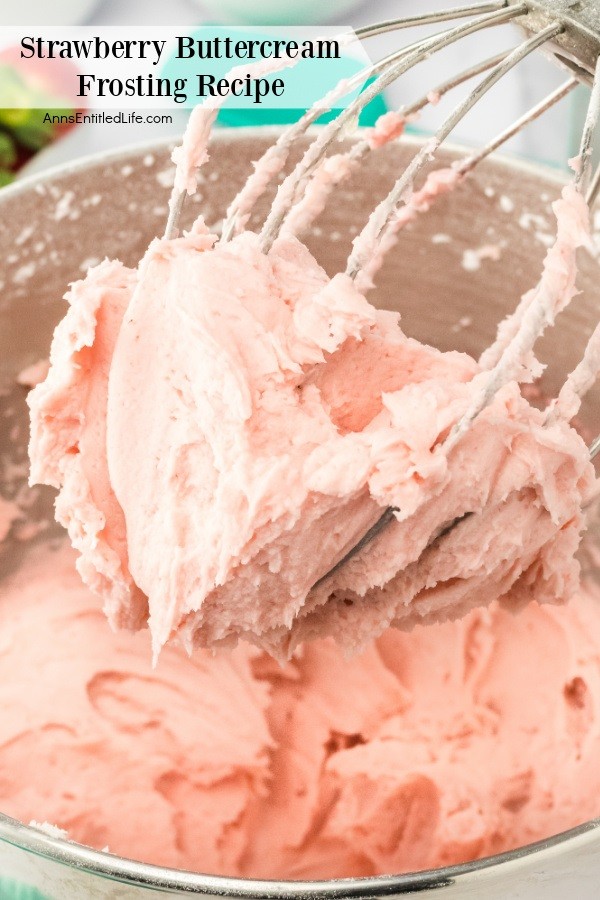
x: 453, y: 275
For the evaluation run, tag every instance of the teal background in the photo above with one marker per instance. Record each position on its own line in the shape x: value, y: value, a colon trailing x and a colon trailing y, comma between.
x: 16, y: 890
x: 305, y: 83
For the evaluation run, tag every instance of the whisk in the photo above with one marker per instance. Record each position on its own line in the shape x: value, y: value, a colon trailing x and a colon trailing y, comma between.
x: 567, y: 30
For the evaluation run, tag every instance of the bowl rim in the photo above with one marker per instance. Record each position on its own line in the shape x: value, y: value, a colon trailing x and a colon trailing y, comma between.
x: 140, y: 874
x: 135, y: 873
x: 223, y: 132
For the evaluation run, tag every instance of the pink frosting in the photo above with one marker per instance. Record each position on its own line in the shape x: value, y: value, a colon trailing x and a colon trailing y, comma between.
x: 557, y: 286
x: 441, y: 746
x: 68, y: 438
x: 192, y: 152
x: 332, y: 172
x: 250, y: 420
x: 388, y: 127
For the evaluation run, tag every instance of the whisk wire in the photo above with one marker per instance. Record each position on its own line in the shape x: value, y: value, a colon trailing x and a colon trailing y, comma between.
x: 429, y: 18
x: 455, y: 81
x: 319, y: 147
x: 371, y: 236
x: 531, y: 115
x: 582, y: 176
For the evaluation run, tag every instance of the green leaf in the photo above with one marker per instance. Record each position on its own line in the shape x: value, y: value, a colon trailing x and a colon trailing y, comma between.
x: 5, y: 178
x: 8, y: 151
x: 34, y: 134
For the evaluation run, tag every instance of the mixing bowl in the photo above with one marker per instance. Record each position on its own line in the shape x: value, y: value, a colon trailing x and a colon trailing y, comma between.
x: 53, y: 227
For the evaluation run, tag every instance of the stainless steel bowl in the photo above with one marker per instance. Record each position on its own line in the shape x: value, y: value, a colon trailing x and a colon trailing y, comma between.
x: 53, y: 226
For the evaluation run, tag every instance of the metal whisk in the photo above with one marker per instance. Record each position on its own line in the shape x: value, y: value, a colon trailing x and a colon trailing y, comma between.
x: 568, y: 30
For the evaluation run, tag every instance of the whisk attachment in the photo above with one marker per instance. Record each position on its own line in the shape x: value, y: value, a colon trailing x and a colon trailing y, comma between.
x: 578, y: 45
x: 330, y: 133
x: 374, y: 231
x: 306, y: 207
x: 281, y: 149
x: 569, y: 32
x: 275, y: 158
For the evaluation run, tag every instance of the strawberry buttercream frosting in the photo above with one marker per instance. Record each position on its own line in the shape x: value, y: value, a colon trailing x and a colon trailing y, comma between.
x: 430, y: 748
x: 224, y: 424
